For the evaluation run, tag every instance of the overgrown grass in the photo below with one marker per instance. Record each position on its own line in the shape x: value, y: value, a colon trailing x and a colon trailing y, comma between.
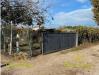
x: 85, y: 66
x: 78, y: 61
x: 80, y: 47
x: 16, y: 64
x: 17, y: 60
x: 19, y: 64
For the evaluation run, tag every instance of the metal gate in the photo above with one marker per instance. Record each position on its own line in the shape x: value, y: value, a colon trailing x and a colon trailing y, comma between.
x: 58, y: 41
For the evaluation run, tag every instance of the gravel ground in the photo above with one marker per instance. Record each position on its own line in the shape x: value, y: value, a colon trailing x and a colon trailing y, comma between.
x: 55, y: 64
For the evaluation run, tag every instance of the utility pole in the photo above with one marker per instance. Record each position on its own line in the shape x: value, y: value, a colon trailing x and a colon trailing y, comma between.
x: 10, y: 52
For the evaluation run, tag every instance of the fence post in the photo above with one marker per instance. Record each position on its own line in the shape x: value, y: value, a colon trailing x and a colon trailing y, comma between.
x: 42, y: 41
x: 10, y: 52
x: 76, y: 39
x: 17, y: 43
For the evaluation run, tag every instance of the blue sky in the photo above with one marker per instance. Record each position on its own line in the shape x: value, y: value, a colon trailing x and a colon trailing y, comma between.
x: 70, y: 12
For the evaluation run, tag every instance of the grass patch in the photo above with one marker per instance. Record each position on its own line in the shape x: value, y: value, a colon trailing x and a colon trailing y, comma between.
x: 19, y: 64
x: 80, y: 47
x: 18, y: 60
x: 85, y: 66
x: 78, y: 61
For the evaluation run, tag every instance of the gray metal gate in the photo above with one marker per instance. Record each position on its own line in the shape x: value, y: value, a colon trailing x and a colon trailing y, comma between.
x: 58, y: 41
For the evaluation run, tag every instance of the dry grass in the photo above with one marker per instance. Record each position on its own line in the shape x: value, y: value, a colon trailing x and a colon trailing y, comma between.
x: 71, y: 63
x: 80, y: 47
x: 20, y: 56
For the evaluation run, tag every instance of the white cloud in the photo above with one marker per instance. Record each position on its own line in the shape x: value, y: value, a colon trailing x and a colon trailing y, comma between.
x: 82, y: 1
x: 77, y: 17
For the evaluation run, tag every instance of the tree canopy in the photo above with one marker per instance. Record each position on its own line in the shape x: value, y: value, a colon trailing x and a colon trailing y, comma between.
x: 96, y: 10
x: 22, y: 11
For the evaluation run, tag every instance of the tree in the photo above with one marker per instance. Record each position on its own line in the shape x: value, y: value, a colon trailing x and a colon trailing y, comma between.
x: 27, y: 12
x: 20, y: 11
x: 95, y: 4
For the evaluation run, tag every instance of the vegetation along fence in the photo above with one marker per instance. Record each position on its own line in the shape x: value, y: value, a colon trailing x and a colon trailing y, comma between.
x: 30, y: 41
x: 85, y: 34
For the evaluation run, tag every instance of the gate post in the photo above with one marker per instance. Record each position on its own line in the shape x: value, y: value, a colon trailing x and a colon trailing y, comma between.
x: 76, y: 39
x: 42, y: 41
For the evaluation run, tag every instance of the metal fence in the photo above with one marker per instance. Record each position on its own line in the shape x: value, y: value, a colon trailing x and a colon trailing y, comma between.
x: 31, y: 41
x: 58, y: 41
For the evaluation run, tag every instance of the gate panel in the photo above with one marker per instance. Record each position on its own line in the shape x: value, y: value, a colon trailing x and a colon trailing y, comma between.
x: 58, y: 41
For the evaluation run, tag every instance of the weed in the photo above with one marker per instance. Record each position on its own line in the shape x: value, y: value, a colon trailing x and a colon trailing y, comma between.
x: 20, y: 64
x: 85, y: 66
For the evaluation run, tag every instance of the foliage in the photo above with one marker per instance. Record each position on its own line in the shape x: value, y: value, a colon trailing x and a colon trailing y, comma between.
x: 95, y: 4
x: 25, y: 12
x: 20, y: 11
x: 88, y: 34
x: 20, y: 56
x: 16, y: 13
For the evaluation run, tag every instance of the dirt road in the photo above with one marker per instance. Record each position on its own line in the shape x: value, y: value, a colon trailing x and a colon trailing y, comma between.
x: 82, y: 62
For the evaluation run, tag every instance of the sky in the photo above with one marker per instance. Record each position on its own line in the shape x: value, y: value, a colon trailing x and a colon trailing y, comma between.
x: 70, y: 12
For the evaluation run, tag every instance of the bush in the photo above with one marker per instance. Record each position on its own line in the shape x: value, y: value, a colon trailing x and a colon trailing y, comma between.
x: 20, y: 56
x: 36, y: 45
x: 85, y: 34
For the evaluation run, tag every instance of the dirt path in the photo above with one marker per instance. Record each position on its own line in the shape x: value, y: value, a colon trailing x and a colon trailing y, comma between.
x: 62, y: 63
